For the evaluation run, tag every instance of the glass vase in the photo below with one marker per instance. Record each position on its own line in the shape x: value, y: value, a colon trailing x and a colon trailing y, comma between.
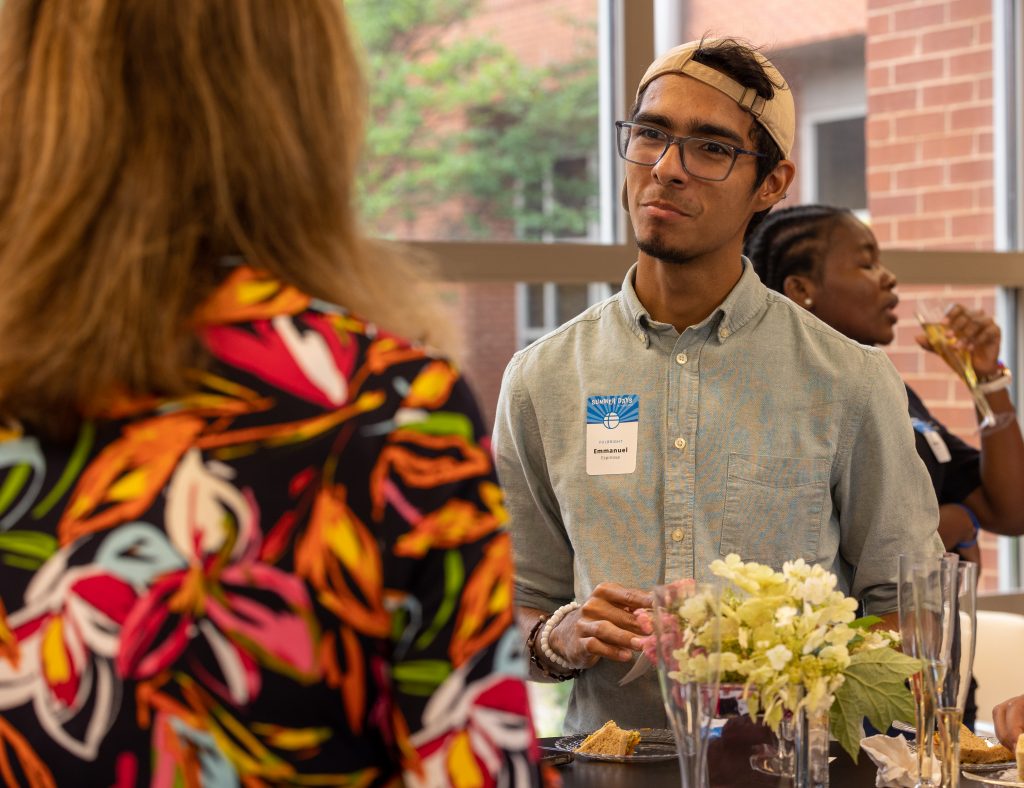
x: 798, y: 752
x: 810, y: 749
x: 686, y: 629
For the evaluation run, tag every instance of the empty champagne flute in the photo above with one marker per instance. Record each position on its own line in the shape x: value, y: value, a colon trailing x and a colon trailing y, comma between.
x: 925, y: 583
x: 931, y: 314
x: 686, y: 622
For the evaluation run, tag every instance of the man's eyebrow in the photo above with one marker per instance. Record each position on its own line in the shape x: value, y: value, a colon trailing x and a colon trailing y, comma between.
x: 702, y: 129
x: 654, y: 118
x: 718, y: 131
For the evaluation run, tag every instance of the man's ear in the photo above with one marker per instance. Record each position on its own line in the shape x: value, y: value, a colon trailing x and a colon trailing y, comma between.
x: 801, y: 290
x: 775, y: 186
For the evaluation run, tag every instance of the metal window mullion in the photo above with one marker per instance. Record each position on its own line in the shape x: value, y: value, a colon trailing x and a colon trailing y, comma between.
x: 1008, y: 105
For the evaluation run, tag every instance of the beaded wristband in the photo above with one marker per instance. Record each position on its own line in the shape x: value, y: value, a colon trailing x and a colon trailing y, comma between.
x: 545, y: 633
x: 531, y: 647
x: 997, y: 382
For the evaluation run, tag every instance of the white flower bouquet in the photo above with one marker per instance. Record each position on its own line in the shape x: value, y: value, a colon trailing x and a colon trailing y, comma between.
x: 795, y: 644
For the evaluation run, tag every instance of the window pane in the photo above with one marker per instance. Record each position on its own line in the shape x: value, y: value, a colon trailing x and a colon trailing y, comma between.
x: 840, y: 163
x: 572, y: 299
x: 483, y: 118
x: 535, y: 306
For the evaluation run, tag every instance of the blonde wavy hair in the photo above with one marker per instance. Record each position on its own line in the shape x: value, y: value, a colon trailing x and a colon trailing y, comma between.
x: 143, y: 140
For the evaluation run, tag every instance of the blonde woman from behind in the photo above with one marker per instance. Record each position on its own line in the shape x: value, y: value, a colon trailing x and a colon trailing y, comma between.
x: 249, y: 533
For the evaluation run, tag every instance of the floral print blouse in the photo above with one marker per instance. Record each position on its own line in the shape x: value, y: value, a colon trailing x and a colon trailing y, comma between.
x: 295, y: 575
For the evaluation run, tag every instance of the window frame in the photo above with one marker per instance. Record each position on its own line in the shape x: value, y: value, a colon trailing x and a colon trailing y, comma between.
x: 808, y: 131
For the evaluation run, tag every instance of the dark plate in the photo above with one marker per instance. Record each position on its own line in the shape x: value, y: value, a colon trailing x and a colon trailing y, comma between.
x: 656, y: 744
x: 1004, y: 776
x: 988, y: 768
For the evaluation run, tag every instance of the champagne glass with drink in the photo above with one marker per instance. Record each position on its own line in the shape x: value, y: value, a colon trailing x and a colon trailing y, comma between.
x: 925, y: 585
x: 931, y: 314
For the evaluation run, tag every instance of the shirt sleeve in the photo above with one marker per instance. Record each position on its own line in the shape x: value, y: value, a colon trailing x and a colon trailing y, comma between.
x: 884, y: 495
x: 543, y: 552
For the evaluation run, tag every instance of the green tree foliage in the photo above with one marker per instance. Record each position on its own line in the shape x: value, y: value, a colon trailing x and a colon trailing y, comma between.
x: 463, y: 132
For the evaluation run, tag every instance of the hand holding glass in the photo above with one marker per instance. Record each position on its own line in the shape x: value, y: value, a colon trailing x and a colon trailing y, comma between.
x: 931, y: 314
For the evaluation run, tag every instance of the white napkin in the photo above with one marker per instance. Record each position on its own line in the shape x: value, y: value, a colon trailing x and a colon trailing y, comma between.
x: 897, y: 765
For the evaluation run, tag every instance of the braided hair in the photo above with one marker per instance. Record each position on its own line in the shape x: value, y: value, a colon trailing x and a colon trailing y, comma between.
x: 791, y: 241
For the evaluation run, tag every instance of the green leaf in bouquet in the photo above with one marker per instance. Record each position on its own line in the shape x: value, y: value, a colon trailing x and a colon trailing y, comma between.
x: 865, y: 622
x: 875, y: 687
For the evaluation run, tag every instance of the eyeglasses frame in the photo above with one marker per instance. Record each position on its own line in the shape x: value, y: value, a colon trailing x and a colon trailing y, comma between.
x: 671, y: 140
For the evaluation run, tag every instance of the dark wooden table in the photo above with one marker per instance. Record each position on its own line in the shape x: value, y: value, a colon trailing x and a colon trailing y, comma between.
x: 729, y: 769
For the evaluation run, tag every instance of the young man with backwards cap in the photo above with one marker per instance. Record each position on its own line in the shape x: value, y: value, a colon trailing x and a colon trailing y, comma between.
x: 696, y: 413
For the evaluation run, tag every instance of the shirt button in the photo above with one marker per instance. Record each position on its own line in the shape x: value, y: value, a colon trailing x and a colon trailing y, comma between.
x: 723, y: 333
x: 681, y: 359
x: 680, y: 443
x: 677, y: 535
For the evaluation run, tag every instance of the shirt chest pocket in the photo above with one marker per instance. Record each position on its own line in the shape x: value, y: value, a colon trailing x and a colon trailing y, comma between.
x: 774, y: 508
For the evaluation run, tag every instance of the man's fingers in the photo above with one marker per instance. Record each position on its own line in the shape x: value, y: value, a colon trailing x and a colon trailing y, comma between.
x: 620, y: 596
x: 603, y: 627
x: 600, y: 648
x: 597, y: 610
x: 607, y: 632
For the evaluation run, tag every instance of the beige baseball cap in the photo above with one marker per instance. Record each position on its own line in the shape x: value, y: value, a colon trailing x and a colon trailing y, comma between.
x: 777, y: 115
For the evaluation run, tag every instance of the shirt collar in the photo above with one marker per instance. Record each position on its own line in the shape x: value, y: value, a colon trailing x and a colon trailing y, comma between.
x: 744, y: 301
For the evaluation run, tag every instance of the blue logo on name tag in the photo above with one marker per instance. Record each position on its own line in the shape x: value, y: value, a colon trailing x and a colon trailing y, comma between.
x: 611, y: 410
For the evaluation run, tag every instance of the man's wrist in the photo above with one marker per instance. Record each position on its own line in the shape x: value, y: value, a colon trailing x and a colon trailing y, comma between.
x: 548, y: 628
x: 541, y: 662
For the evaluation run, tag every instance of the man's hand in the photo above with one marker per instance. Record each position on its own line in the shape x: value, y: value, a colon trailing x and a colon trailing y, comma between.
x: 1009, y: 719
x: 602, y: 627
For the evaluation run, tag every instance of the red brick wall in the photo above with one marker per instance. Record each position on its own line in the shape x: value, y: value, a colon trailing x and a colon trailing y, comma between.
x: 930, y: 168
x: 767, y: 24
x: 538, y: 31
x: 487, y: 324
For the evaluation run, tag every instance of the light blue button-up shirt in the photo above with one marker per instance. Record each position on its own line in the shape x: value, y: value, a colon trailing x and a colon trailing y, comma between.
x: 762, y: 431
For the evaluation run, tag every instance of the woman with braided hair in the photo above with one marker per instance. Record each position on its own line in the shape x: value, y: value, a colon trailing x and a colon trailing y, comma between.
x: 827, y: 261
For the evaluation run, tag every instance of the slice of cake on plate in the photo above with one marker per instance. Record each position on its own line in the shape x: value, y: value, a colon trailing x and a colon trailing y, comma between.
x: 974, y: 749
x: 610, y: 739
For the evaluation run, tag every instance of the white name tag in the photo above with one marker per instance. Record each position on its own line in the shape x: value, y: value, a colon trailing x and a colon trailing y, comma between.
x: 934, y: 439
x: 613, y: 426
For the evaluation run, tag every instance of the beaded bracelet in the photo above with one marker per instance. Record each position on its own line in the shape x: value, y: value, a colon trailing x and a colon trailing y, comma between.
x: 545, y: 634
x: 977, y: 527
x: 998, y: 381
x: 531, y: 647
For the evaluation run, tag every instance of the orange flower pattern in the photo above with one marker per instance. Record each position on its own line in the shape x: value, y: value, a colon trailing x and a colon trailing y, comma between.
x: 295, y: 574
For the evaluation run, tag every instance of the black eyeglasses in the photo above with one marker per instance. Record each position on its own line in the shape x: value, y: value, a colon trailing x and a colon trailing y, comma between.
x: 709, y: 160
